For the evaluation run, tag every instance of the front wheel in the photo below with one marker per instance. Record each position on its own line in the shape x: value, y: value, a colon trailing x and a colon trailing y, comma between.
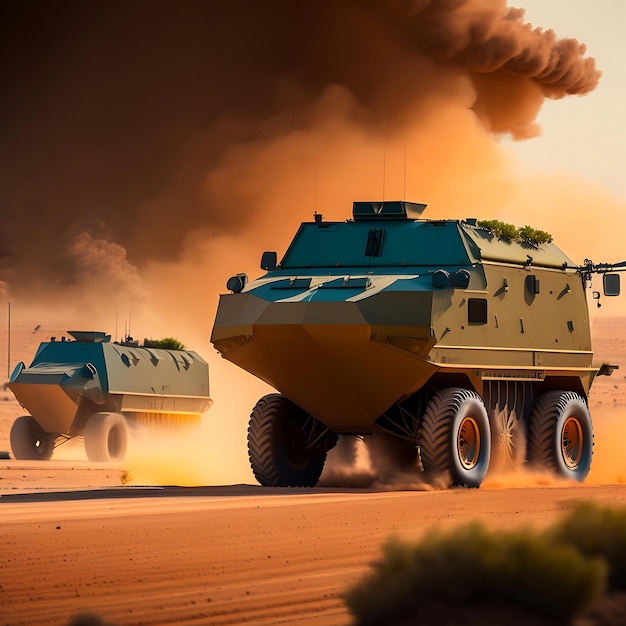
x: 106, y: 437
x: 560, y: 434
x: 29, y: 442
x: 287, y: 447
x: 455, y: 436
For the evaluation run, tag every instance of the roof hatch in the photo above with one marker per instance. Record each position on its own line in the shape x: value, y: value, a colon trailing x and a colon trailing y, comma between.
x: 394, y: 209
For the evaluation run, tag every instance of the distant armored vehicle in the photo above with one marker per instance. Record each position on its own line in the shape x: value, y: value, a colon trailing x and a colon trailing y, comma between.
x: 93, y: 388
x: 453, y: 340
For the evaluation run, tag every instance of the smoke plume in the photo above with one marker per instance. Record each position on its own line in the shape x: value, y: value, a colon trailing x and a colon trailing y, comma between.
x: 177, y: 125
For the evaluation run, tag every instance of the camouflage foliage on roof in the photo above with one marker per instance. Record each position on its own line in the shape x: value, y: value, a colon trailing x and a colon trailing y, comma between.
x: 510, y: 232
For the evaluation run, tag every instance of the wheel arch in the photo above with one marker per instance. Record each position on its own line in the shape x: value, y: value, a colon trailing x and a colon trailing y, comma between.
x: 442, y: 380
x: 562, y: 383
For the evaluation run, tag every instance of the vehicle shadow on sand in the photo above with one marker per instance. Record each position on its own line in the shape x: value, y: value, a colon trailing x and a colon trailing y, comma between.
x: 173, y: 491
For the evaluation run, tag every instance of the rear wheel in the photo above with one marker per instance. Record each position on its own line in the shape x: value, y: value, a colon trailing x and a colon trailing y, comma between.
x: 560, y: 434
x: 106, y: 437
x: 455, y: 436
x: 29, y: 441
x: 287, y: 447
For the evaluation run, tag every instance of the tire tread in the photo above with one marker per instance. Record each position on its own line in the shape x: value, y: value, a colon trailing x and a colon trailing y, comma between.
x: 435, y: 430
x: 265, y: 446
x: 260, y: 440
x: 542, y: 429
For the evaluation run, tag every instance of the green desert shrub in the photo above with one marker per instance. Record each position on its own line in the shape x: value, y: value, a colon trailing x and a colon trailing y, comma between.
x: 534, y: 235
x: 473, y: 567
x: 5, y: 455
x: 598, y: 532
x: 168, y: 343
x: 502, y: 230
x: 509, y: 232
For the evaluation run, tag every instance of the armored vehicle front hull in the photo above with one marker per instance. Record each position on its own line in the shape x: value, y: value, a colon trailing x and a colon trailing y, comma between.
x: 322, y: 356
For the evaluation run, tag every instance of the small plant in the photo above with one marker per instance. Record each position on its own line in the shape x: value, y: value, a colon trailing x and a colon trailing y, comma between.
x: 597, y: 532
x: 168, y: 343
x: 125, y: 477
x: 534, y: 235
x: 509, y: 232
x: 471, y: 567
x: 5, y: 455
x: 502, y: 230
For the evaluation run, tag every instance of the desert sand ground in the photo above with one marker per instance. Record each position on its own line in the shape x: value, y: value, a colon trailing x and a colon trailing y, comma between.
x: 75, y: 540
x: 226, y: 555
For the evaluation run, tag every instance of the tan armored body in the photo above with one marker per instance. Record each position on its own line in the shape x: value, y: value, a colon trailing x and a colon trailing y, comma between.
x: 439, y: 333
x: 92, y: 388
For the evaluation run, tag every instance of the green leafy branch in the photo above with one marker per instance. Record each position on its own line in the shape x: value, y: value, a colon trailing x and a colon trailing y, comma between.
x: 168, y: 343
x: 509, y: 232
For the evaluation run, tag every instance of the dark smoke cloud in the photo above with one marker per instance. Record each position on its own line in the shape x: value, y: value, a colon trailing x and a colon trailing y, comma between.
x: 486, y: 37
x: 122, y: 122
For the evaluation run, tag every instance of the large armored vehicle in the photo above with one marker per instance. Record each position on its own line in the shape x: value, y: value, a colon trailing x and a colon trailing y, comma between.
x: 92, y: 388
x: 439, y: 335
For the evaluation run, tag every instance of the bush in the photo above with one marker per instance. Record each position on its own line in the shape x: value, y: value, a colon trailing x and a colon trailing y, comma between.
x: 534, y: 236
x: 5, y: 455
x: 597, y: 532
x: 509, y: 232
x: 168, y: 343
x: 502, y: 230
x: 473, y: 567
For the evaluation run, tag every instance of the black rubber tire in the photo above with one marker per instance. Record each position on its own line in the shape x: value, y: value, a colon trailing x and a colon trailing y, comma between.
x: 277, y: 445
x: 449, y: 415
x: 560, y: 434
x: 106, y: 437
x: 29, y: 442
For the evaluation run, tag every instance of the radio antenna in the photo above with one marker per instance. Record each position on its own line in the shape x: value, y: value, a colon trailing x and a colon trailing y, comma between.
x: 405, y: 170
x: 384, y: 166
x: 9, y: 342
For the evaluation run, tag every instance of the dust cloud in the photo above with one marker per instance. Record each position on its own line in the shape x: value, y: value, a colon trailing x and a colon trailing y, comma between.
x: 358, y: 463
x: 182, y: 457
x: 609, y: 466
x: 171, y: 153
